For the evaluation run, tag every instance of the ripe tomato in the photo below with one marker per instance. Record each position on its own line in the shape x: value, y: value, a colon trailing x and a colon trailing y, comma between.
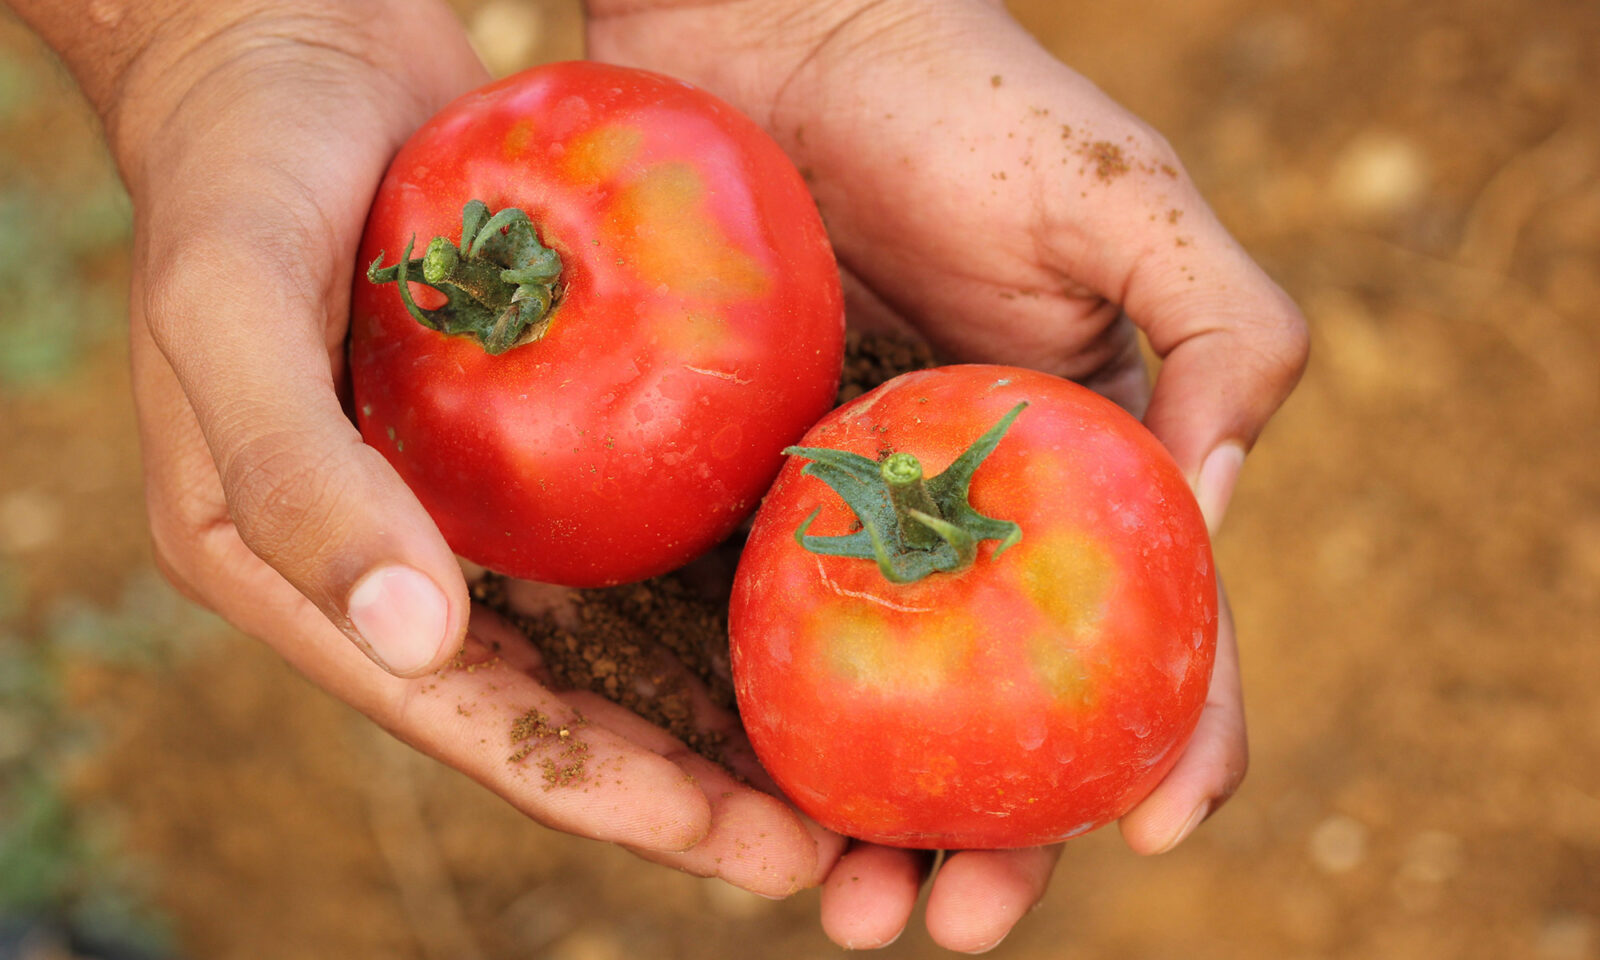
x: 1029, y: 686
x: 614, y: 374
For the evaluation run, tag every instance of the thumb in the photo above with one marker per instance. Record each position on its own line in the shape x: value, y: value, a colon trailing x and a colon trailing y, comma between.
x: 1233, y: 345
x: 251, y: 352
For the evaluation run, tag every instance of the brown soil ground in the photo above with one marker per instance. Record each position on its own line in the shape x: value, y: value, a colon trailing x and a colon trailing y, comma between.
x: 1414, y: 554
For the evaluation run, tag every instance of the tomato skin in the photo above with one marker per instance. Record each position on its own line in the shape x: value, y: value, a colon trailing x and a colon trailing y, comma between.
x: 1028, y: 698
x: 699, y: 328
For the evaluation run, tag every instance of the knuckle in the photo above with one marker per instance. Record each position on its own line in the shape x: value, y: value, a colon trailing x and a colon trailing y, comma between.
x: 206, y: 245
x: 188, y: 545
x: 1284, y: 343
x: 176, y: 276
x: 282, y: 496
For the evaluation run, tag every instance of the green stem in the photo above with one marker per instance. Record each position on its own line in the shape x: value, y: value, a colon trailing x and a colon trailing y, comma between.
x: 911, y: 526
x: 902, y: 474
x: 500, y: 283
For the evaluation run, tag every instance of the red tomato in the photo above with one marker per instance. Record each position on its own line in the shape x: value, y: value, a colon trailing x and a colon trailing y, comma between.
x: 1033, y: 694
x: 697, y: 323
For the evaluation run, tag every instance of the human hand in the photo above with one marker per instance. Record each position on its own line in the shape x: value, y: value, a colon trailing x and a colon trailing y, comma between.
x: 985, y: 195
x: 251, y: 143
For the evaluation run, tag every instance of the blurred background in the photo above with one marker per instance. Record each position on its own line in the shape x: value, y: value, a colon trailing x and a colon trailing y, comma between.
x: 1414, y: 557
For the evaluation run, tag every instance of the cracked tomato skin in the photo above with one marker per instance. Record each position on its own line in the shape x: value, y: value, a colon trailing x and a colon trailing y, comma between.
x: 698, y: 327
x: 1028, y: 698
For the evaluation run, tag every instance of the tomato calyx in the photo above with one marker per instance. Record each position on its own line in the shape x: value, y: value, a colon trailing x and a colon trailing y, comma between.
x: 500, y: 282
x: 911, y: 526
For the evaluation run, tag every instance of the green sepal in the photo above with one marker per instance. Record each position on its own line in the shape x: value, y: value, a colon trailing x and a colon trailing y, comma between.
x: 897, y: 539
x: 499, y: 281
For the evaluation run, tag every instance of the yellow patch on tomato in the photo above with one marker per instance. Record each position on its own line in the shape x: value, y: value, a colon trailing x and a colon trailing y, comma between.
x: 697, y: 336
x: 598, y: 155
x: 863, y: 646
x: 517, y: 139
x: 1068, y: 579
x: 871, y: 810
x: 660, y: 225
x: 1067, y: 576
x: 1058, y: 668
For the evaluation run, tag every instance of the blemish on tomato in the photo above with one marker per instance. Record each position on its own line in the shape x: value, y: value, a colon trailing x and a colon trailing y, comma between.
x: 867, y: 808
x: 1067, y: 575
x: 1059, y: 669
x: 698, y: 336
x: 717, y: 374
x: 934, y: 779
x: 660, y: 222
x: 861, y: 645
x: 517, y: 139
x: 600, y: 154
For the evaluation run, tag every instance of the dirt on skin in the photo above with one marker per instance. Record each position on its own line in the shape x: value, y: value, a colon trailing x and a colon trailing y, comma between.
x: 534, y: 732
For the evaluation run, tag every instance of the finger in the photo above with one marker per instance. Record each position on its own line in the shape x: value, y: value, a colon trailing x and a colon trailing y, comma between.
x: 306, y: 495
x: 979, y: 895
x: 1123, y: 378
x: 556, y: 762
x: 1233, y: 345
x: 866, y: 311
x: 1212, y: 766
x: 869, y: 895
x: 469, y: 716
x: 756, y: 841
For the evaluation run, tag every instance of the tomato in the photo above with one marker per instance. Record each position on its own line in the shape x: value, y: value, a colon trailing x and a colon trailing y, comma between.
x: 615, y: 373
x: 1020, y: 687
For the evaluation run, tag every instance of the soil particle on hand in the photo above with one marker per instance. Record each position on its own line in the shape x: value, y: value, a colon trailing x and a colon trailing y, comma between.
x: 1108, y: 158
x: 565, y: 754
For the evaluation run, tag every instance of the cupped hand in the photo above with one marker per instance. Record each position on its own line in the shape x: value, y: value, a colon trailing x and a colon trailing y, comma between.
x: 251, y: 145
x: 982, y: 193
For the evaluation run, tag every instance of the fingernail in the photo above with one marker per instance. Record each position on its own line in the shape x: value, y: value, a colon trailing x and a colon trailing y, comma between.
x: 1188, y: 827
x: 1214, y: 486
x: 400, y: 614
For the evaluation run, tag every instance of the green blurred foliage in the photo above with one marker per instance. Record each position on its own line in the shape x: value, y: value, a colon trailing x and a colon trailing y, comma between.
x: 60, y: 858
x: 64, y: 222
x: 55, y: 308
x: 15, y: 89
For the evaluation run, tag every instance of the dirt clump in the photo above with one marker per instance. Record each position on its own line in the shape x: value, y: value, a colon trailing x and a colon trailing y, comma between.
x: 873, y: 358
x: 534, y: 731
x: 641, y: 646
